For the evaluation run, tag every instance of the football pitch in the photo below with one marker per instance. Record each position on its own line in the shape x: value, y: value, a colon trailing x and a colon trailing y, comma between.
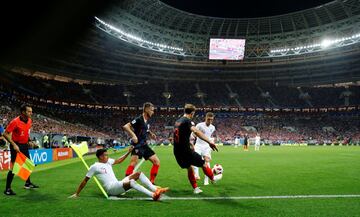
x: 276, y: 181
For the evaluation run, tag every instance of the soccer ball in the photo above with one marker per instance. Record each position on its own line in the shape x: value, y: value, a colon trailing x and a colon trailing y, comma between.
x: 218, y: 169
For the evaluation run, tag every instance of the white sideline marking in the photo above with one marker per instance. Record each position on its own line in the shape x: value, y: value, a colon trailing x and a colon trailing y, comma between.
x: 244, y: 197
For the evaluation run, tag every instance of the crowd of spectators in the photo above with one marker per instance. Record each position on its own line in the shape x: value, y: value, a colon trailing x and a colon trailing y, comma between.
x: 212, y: 93
x: 273, y: 127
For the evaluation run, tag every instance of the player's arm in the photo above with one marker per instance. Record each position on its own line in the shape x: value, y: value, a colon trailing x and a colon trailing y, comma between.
x: 214, y: 135
x: 129, y: 130
x: 152, y: 135
x: 122, y: 158
x: 81, y: 186
x: 201, y: 135
x: 7, y: 136
x: 192, y: 140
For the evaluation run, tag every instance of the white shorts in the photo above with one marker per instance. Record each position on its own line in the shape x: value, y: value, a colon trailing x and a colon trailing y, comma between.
x: 257, y: 144
x: 117, y: 188
x: 203, y: 150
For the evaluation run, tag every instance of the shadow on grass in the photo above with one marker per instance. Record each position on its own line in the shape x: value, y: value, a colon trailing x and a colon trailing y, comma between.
x: 35, y: 196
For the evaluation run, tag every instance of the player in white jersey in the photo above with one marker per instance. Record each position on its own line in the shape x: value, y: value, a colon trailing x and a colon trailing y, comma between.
x: 202, y: 147
x: 237, y: 142
x: 257, y: 142
x: 104, y: 172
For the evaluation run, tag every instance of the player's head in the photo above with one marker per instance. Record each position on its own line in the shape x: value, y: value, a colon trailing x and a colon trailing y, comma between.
x: 189, y: 110
x: 102, y: 155
x: 26, y: 110
x: 209, y: 118
x: 148, y: 109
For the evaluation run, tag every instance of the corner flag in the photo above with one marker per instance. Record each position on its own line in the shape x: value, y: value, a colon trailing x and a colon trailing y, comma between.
x: 80, y: 150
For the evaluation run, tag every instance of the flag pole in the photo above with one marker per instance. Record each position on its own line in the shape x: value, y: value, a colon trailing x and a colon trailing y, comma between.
x: 87, y: 167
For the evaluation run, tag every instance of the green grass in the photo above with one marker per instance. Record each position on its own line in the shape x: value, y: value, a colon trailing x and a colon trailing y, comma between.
x: 272, y: 171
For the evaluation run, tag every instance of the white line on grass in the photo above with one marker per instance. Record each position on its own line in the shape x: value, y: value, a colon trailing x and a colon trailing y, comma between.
x: 245, y: 197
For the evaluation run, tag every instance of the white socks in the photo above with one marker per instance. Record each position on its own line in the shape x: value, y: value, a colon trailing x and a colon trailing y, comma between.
x: 140, y: 188
x: 206, y: 179
x: 146, y: 181
x: 196, y: 171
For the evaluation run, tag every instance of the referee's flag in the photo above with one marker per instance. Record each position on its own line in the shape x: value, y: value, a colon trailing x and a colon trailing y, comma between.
x: 23, y: 166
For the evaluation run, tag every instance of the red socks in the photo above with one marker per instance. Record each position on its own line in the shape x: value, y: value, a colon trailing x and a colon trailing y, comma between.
x: 192, y: 179
x: 129, y: 170
x: 153, y: 172
x: 208, y: 172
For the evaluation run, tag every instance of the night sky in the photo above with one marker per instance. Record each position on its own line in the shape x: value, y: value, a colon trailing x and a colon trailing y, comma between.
x: 241, y: 8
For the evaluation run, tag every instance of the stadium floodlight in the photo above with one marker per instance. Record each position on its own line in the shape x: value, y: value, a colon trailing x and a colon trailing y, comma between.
x: 139, y: 39
x: 324, y: 44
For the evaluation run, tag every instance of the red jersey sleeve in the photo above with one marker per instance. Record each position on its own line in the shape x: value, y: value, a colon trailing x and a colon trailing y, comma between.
x: 12, y: 125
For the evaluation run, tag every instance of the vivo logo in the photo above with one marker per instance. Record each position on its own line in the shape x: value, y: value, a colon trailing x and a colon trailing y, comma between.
x: 39, y: 157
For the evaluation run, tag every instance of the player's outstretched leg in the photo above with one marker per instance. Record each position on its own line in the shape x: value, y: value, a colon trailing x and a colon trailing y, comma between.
x: 192, y: 180
x: 155, y: 168
x: 209, y: 173
x: 143, y: 179
x: 206, y: 178
x: 196, y: 172
x: 133, y: 162
x: 155, y: 194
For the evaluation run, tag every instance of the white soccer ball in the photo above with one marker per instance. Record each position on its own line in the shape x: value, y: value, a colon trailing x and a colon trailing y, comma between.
x: 218, y: 169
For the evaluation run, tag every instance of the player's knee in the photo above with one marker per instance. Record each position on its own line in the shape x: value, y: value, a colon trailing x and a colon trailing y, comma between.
x: 132, y: 182
x: 156, y: 162
x: 127, y: 185
x: 135, y: 175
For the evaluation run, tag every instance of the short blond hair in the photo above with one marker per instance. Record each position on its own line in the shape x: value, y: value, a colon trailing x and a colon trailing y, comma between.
x: 189, y: 108
x: 147, y: 105
x: 209, y: 115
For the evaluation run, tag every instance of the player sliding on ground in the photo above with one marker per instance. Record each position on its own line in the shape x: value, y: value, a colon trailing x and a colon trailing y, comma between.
x: 185, y: 156
x: 104, y: 172
x: 201, y: 147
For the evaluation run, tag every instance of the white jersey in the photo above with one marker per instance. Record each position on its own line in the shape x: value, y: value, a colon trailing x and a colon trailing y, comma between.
x: 257, y: 140
x: 207, y: 130
x: 104, y: 172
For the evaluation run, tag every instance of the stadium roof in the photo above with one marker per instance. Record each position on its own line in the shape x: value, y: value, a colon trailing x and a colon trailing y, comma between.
x: 161, y: 14
x: 241, y: 9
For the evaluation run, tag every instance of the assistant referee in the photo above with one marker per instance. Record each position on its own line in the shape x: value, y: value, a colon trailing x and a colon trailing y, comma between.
x: 17, y: 133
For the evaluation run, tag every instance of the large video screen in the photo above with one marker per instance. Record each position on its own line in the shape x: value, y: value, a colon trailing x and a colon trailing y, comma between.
x: 226, y: 49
